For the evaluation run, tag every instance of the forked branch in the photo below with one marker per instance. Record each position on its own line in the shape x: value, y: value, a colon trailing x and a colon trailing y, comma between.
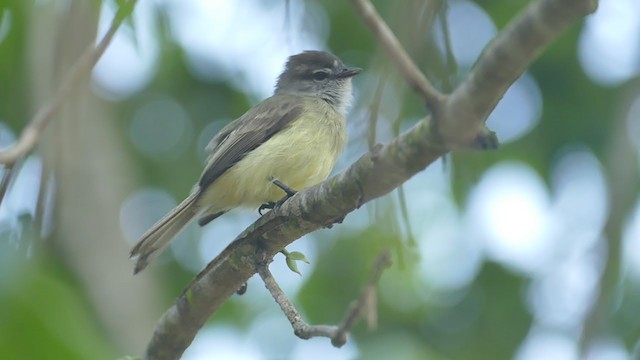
x: 337, y: 334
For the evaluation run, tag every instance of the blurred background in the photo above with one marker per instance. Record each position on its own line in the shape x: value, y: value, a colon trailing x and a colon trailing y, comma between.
x: 528, y: 252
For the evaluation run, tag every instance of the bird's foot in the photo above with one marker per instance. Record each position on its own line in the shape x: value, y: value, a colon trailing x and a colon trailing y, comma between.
x: 266, y: 206
x: 271, y: 205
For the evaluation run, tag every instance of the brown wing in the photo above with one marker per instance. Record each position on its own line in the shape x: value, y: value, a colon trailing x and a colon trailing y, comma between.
x: 248, y: 132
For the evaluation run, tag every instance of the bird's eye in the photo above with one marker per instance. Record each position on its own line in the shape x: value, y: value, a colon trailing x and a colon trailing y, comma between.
x: 320, y: 75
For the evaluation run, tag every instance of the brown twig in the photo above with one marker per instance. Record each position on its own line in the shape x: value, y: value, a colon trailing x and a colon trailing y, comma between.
x: 374, y: 111
x: 357, y: 308
x: 622, y: 178
x: 412, y: 74
x: 10, y: 171
x: 337, y: 334
x: 450, y: 61
x: 31, y: 134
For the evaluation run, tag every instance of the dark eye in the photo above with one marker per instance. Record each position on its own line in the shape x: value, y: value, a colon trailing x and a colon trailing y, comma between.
x: 320, y: 75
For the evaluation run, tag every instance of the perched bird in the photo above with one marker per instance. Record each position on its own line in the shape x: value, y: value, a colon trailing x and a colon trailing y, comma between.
x: 289, y: 141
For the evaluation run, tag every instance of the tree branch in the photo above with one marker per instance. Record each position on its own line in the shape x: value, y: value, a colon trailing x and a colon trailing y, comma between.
x: 373, y: 175
x: 387, y: 39
x: 10, y: 171
x: 337, y: 334
x: 622, y: 177
x: 502, y: 62
x: 31, y: 134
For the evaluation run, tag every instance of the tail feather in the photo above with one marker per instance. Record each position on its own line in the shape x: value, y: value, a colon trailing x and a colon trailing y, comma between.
x: 165, y: 230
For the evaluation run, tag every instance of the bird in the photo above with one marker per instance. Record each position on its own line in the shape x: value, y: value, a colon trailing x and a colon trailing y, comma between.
x: 288, y: 142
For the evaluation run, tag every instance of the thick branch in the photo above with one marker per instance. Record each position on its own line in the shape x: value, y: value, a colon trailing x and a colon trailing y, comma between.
x: 31, y: 134
x: 375, y: 174
x: 502, y: 62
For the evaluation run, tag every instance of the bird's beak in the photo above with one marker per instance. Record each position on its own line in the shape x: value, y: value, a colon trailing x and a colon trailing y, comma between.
x: 348, y: 72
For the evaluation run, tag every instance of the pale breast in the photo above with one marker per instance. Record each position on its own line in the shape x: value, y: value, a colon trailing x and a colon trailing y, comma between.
x: 301, y: 155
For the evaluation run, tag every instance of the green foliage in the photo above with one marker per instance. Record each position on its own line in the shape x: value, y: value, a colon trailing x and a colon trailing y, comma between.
x: 292, y: 259
x: 43, y: 312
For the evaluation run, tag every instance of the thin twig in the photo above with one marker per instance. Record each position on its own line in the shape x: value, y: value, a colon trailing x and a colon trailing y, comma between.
x: 622, y: 176
x: 450, y: 61
x: 404, y: 210
x: 31, y: 134
x: 337, y: 334
x: 44, y: 192
x: 300, y: 327
x: 287, y: 25
x: 10, y: 171
x: 356, y: 309
x: 374, y: 110
x: 412, y: 74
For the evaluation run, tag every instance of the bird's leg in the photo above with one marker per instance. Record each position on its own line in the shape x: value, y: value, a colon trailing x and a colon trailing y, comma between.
x: 289, y: 192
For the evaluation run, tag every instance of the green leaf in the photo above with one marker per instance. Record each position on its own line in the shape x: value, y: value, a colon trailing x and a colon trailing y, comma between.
x: 292, y: 257
x: 293, y: 266
x: 297, y: 256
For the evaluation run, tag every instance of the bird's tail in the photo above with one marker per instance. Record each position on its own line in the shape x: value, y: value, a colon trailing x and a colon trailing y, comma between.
x: 162, y: 232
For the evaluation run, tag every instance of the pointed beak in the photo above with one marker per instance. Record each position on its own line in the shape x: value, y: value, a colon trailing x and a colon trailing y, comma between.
x: 348, y: 71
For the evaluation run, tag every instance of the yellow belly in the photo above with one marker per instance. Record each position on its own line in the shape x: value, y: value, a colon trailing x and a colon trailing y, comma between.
x: 300, y: 156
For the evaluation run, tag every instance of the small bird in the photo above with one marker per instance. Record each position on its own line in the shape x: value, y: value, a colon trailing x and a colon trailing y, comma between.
x: 289, y: 141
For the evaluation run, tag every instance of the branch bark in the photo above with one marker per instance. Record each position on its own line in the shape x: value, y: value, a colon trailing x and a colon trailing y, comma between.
x: 502, y: 62
x: 375, y: 174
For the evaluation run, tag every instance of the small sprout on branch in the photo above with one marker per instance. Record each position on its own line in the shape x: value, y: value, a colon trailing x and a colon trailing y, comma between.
x: 292, y: 257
